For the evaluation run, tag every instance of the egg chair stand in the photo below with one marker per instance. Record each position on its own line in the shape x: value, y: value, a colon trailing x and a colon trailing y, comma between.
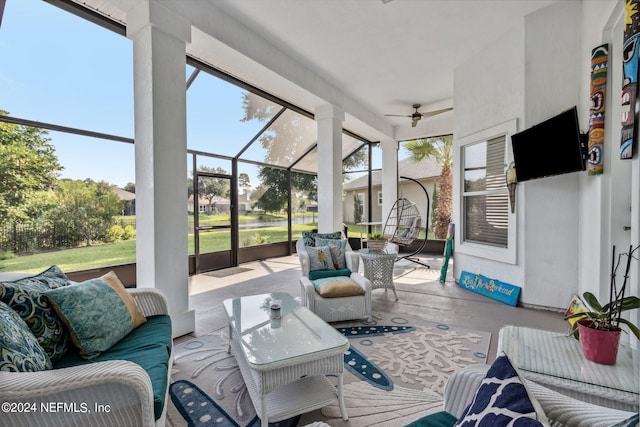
x: 402, y: 226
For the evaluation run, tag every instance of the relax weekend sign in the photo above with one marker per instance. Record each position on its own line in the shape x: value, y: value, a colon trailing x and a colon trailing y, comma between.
x: 495, y: 289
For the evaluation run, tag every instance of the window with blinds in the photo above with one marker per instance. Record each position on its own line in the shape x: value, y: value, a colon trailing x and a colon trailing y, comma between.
x: 485, y: 200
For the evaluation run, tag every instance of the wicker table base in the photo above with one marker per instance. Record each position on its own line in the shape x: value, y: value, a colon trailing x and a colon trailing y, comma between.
x: 378, y: 268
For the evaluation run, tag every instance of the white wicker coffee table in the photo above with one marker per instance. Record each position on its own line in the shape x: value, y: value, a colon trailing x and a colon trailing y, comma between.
x: 285, y: 362
x: 555, y: 360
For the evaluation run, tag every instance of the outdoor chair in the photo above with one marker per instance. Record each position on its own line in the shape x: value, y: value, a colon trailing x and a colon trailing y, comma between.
x: 334, y: 308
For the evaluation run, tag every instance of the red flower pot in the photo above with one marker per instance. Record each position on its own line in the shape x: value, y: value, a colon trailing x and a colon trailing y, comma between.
x: 597, y: 345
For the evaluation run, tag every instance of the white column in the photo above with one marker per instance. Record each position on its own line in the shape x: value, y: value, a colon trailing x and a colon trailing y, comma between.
x: 329, y: 119
x: 159, y: 66
x: 389, y: 176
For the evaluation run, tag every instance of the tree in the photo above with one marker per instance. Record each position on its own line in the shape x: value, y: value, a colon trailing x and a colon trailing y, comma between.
x: 441, y: 149
x: 244, y: 182
x: 130, y: 187
x: 357, y: 209
x: 210, y: 188
x: 86, y: 208
x: 28, y: 165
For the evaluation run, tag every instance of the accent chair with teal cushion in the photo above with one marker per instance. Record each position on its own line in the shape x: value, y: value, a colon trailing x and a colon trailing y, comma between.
x: 127, y: 375
x: 348, y: 292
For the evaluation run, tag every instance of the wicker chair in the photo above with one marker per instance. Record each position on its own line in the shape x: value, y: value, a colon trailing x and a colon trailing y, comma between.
x: 560, y: 409
x: 334, y: 309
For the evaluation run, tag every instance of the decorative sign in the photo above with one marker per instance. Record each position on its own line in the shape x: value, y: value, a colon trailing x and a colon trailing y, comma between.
x: 494, y: 289
x: 599, y: 65
x: 630, y: 48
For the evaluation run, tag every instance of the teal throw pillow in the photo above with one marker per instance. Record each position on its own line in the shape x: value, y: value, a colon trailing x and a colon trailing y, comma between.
x: 319, y: 274
x: 26, y: 297
x: 337, y: 248
x: 320, y: 258
x: 309, y: 237
x: 98, y: 312
x: 19, y: 348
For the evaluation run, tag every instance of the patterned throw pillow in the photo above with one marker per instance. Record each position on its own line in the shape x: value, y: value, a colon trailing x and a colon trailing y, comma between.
x: 19, y: 348
x: 633, y: 421
x: 335, y: 287
x: 98, y: 312
x: 320, y: 258
x: 309, y: 237
x: 26, y: 297
x: 337, y: 248
x: 502, y: 399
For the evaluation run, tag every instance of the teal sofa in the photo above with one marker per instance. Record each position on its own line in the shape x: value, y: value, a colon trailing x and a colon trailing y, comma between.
x: 126, y: 385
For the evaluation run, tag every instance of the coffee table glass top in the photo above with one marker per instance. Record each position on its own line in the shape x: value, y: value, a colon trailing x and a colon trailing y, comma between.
x: 265, y: 341
x: 559, y: 355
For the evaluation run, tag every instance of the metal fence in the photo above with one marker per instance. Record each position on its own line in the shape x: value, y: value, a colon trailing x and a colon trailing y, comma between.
x: 20, y: 238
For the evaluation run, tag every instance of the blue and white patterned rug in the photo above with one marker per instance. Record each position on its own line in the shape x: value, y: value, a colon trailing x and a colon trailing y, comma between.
x: 395, y: 372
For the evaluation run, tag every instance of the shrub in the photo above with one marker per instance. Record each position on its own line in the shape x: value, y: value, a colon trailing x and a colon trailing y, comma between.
x: 6, y: 255
x: 114, y: 233
x: 128, y: 233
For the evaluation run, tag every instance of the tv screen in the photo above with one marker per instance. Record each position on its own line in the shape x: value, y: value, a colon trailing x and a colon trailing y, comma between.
x: 550, y: 148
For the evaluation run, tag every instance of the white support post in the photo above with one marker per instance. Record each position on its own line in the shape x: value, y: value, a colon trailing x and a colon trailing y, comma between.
x: 389, y: 176
x: 329, y: 119
x: 159, y: 65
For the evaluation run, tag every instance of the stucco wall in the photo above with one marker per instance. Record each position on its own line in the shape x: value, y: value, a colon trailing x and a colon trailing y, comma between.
x: 530, y: 74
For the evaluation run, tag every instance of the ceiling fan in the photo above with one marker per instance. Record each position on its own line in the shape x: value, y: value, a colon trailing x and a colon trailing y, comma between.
x: 416, y: 116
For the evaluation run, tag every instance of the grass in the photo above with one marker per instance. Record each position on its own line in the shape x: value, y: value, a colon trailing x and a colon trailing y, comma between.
x: 124, y: 252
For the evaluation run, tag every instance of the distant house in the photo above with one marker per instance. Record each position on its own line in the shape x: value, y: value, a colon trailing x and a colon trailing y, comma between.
x: 129, y: 200
x: 220, y: 204
x: 426, y: 171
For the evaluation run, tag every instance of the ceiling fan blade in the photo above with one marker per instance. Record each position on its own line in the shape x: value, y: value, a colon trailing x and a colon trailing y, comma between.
x: 397, y: 115
x: 436, y: 112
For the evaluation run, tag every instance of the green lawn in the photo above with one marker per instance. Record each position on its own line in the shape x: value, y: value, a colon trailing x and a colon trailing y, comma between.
x: 124, y: 252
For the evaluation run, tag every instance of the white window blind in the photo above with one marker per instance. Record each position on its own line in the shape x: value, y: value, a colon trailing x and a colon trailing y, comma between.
x: 485, y: 196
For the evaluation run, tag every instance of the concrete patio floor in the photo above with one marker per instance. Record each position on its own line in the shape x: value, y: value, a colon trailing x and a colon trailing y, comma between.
x: 420, y: 294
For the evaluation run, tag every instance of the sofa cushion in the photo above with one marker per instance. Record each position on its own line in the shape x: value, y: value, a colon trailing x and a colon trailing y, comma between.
x: 439, y: 419
x: 336, y: 287
x: 98, y: 313
x: 320, y: 258
x: 309, y: 237
x: 149, y: 346
x: 503, y: 399
x: 338, y: 248
x: 26, y: 297
x: 19, y: 348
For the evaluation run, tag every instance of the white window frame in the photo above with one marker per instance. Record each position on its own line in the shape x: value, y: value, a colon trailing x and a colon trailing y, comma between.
x: 506, y: 255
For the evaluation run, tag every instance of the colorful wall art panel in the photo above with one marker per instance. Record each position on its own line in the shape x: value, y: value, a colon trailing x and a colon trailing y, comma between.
x: 599, y: 65
x: 630, y: 48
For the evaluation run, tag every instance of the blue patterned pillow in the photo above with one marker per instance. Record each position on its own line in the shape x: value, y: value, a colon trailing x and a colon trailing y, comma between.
x: 309, y: 237
x: 629, y: 422
x: 337, y: 248
x: 320, y: 258
x: 502, y: 399
x: 19, y: 348
x: 25, y: 296
x: 98, y: 312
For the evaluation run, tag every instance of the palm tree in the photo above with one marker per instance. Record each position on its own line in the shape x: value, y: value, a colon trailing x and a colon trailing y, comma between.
x: 441, y: 149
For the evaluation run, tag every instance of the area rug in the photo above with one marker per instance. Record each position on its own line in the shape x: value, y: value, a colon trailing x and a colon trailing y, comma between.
x: 395, y: 373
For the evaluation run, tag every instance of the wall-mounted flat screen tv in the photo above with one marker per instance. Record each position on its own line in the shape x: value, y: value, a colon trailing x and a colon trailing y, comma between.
x: 550, y: 148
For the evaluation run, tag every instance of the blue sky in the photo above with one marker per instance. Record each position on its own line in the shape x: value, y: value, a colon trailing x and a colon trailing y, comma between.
x: 61, y: 69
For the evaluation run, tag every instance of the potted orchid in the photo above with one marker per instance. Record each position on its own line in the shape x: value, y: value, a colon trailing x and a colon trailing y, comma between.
x: 599, y: 329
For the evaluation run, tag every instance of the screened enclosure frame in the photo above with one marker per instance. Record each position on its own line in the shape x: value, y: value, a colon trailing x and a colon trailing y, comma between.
x: 199, y: 68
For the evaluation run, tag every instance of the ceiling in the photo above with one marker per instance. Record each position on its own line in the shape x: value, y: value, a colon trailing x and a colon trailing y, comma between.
x: 371, y: 57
